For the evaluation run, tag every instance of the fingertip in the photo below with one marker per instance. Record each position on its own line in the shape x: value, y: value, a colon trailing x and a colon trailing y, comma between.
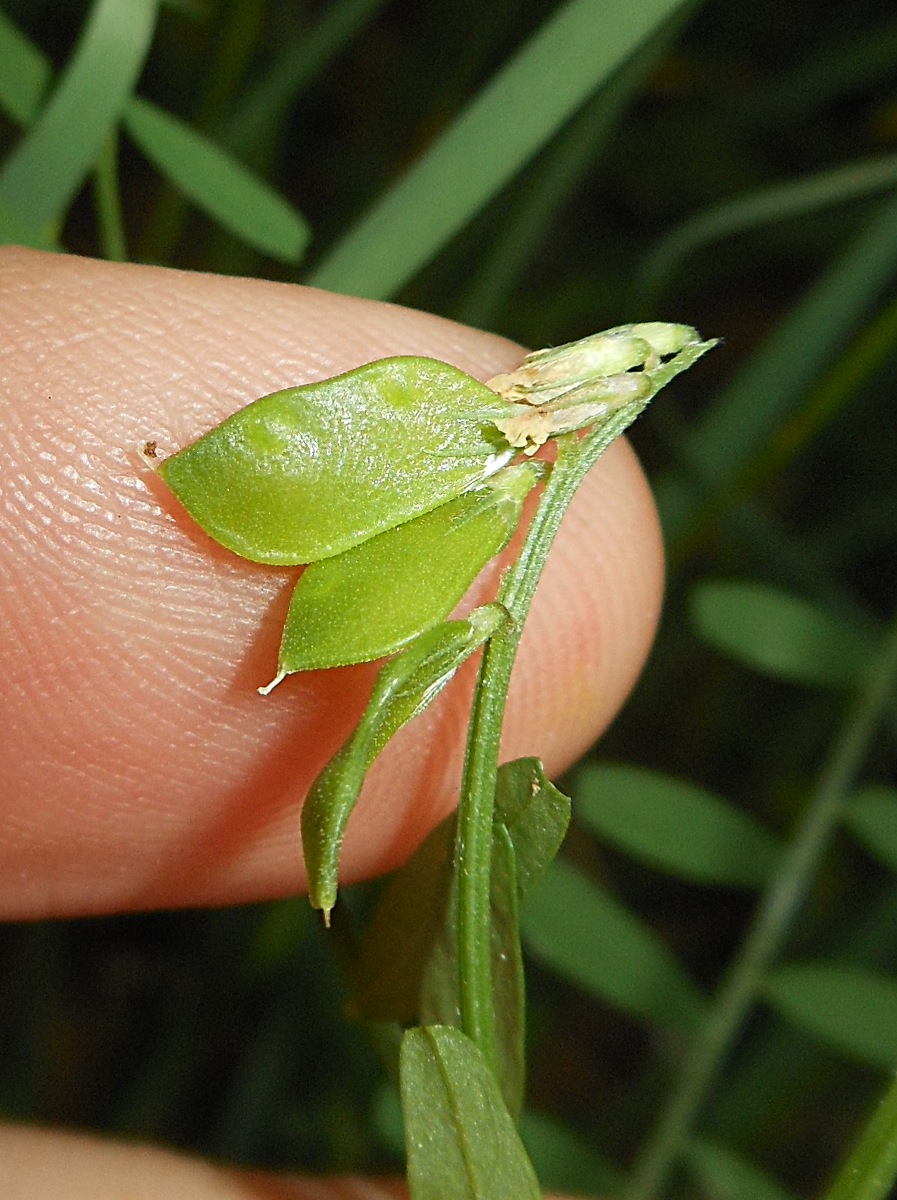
x: 142, y: 768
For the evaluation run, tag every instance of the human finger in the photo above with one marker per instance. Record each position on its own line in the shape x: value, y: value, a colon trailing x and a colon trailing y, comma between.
x: 141, y: 768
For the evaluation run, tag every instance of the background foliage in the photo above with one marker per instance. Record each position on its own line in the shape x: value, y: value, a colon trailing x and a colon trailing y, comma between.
x: 713, y: 963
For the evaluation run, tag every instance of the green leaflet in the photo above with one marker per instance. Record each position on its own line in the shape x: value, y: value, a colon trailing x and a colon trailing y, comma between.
x: 403, y: 688
x: 309, y: 472
x: 372, y: 599
x: 460, y: 1139
x: 413, y: 921
x: 536, y: 815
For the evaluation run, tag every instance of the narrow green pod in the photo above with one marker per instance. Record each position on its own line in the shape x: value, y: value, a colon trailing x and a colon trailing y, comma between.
x: 372, y: 599
x: 309, y: 472
x: 404, y: 687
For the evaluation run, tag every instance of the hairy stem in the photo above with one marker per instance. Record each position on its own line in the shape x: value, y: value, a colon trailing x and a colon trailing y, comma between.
x: 473, y: 853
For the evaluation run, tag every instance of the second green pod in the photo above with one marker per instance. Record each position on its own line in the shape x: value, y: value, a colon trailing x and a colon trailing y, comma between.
x: 370, y: 600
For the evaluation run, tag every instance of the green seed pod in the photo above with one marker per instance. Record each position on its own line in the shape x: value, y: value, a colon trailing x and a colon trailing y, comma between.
x: 404, y: 687
x: 372, y: 599
x: 307, y: 473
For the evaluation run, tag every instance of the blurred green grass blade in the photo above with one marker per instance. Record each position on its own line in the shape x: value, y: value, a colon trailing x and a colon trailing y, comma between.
x: 294, y: 68
x: 870, y: 351
x: 850, y: 1009
x: 796, y: 198
x: 781, y: 635
x: 217, y: 183
x: 25, y: 73
x: 587, y: 937
x: 524, y: 105
x: 564, y: 1161
x: 15, y: 231
x: 719, y: 1171
x: 871, y: 1168
x: 674, y: 826
x: 841, y: 68
x: 43, y: 173
x: 564, y: 162
x: 871, y: 816
x: 771, y: 386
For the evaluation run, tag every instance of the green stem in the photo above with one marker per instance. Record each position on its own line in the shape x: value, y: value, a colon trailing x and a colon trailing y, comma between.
x: 473, y: 855
x: 771, y: 924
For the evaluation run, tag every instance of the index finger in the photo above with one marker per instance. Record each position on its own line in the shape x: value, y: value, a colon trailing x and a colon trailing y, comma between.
x: 142, y: 769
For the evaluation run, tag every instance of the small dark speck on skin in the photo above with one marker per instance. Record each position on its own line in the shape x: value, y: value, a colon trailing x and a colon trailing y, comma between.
x: 150, y: 449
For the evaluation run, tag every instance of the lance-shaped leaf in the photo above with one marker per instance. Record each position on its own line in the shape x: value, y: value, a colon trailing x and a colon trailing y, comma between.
x: 531, y: 817
x: 403, y: 688
x: 414, y: 921
x: 460, y: 1139
x: 374, y: 598
x: 309, y: 472
x: 536, y: 815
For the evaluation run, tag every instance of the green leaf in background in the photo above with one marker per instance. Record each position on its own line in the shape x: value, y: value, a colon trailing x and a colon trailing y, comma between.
x: 871, y: 816
x: 720, y: 1172
x: 15, y: 231
x: 524, y: 105
x: 674, y: 826
x: 460, y: 1139
x: 41, y: 176
x: 311, y: 471
x: 217, y: 183
x: 25, y: 73
x: 410, y: 916
x: 850, y: 1009
x: 565, y: 1161
x: 372, y: 599
x: 771, y: 388
x: 536, y: 815
x: 588, y: 938
x: 404, y: 687
x: 295, y: 66
x: 781, y: 635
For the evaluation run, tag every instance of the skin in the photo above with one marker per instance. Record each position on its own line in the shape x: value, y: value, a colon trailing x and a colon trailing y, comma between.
x: 141, y: 769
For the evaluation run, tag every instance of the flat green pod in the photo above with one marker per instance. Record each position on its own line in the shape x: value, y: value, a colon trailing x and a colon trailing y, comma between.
x: 372, y: 599
x: 405, y: 685
x: 309, y: 472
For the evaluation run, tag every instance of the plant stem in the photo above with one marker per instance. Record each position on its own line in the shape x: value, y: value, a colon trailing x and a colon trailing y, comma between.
x: 771, y: 924
x: 473, y: 855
